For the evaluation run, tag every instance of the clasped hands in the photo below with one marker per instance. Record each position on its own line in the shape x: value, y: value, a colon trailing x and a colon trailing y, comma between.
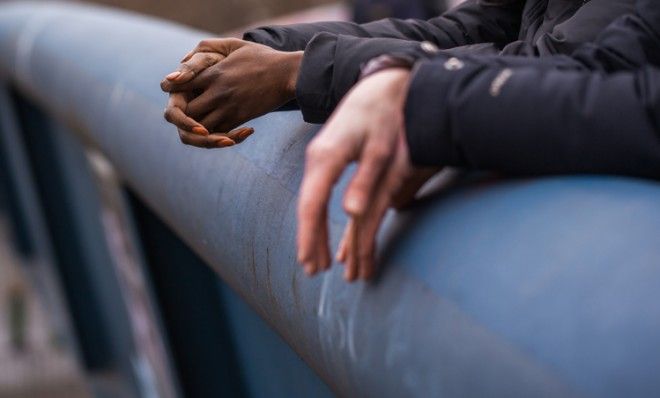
x: 224, y: 83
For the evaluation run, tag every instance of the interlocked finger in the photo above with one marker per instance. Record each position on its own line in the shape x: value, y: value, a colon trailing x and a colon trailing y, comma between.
x: 188, y: 70
x: 175, y: 114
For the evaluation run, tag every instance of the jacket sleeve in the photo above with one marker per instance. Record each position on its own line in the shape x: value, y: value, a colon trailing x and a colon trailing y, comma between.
x: 475, y: 21
x: 630, y: 42
x: 539, y: 120
x: 325, y: 78
x: 336, y: 51
x: 595, y: 112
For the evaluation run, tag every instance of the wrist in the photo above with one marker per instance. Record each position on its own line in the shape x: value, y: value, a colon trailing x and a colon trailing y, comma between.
x: 394, y: 70
x: 292, y: 62
x: 385, y: 62
x: 393, y: 83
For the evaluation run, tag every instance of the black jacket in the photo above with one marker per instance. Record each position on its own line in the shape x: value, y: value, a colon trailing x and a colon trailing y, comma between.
x: 335, y: 51
x: 597, y: 111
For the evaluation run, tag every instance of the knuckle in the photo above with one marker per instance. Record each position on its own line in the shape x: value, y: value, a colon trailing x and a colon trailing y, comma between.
x: 168, y: 114
x: 317, y: 150
x: 233, y: 42
x: 209, y: 59
x: 215, y: 72
x: 185, y: 67
x: 379, y: 153
x: 359, y: 187
x: 192, y: 110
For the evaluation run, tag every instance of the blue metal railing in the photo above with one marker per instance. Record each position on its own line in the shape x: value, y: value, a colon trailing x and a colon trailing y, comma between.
x: 546, y: 287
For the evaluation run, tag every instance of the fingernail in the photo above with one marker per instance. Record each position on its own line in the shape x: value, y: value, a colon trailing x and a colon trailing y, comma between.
x: 245, y: 133
x: 173, y: 75
x: 200, y: 130
x: 224, y: 141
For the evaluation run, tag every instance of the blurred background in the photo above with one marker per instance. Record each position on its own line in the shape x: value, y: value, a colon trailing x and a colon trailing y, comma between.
x: 223, y: 15
x: 37, y: 356
x: 33, y: 360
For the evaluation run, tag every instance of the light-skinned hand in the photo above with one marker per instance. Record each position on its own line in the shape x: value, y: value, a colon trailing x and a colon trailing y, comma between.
x: 368, y: 128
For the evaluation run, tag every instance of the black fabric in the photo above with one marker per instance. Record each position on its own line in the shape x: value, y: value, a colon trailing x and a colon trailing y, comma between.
x: 371, y: 10
x: 335, y: 51
x: 468, y: 23
x: 319, y: 88
x: 595, y: 112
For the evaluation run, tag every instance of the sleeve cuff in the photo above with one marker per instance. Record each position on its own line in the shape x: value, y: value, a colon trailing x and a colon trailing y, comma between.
x: 282, y: 38
x: 315, y: 78
x: 433, y: 93
x: 332, y: 64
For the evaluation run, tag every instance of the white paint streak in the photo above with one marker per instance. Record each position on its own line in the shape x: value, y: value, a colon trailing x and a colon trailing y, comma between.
x: 324, y: 294
x: 350, y: 328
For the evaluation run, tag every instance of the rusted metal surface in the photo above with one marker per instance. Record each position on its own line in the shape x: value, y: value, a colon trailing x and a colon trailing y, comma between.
x: 544, y: 287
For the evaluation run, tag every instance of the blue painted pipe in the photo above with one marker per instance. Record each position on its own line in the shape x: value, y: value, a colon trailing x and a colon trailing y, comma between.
x: 547, y: 287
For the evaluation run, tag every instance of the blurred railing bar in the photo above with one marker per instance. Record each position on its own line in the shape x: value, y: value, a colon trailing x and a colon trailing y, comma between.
x: 27, y: 219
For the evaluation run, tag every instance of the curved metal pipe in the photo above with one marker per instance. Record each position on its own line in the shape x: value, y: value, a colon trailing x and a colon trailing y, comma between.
x: 547, y: 287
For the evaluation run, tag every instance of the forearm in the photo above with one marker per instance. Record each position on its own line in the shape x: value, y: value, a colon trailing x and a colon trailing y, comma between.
x: 551, y: 115
x: 336, y: 51
x: 536, y: 120
x: 325, y: 78
x: 296, y: 37
x: 468, y: 23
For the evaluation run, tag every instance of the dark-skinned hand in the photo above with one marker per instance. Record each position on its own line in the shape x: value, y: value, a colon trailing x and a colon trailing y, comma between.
x: 223, y: 83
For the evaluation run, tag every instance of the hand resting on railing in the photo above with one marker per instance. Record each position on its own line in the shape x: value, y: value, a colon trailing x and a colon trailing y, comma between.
x: 224, y: 83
